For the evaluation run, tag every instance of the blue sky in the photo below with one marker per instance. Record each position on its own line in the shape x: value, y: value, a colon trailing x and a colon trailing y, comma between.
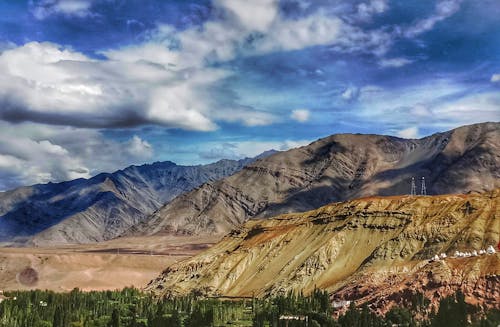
x: 96, y: 85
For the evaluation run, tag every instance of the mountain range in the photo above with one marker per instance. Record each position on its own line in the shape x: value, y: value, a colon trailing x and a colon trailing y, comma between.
x: 336, y: 168
x: 102, y: 207
x: 164, y: 198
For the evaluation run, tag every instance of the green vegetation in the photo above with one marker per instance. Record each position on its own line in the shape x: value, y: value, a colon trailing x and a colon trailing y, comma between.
x: 131, y: 308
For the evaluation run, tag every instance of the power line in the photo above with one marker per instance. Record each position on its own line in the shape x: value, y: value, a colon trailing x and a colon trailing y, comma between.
x: 413, y: 190
x: 424, y: 189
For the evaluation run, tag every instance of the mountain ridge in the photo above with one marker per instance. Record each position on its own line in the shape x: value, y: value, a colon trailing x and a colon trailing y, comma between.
x: 101, y: 207
x: 336, y: 168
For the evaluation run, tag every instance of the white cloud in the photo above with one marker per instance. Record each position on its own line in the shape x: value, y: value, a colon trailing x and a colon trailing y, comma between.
x: 443, y: 10
x: 300, y: 115
x: 166, y: 80
x: 243, y: 28
x: 150, y: 52
x: 224, y: 39
x: 350, y: 93
x: 6, y: 45
x: 421, y: 111
x: 238, y: 150
x: 254, y: 148
x: 253, y: 15
x: 473, y: 108
x: 45, y: 83
x: 33, y: 161
x: 247, y: 117
x: 45, y: 8
x: 312, y: 30
x: 32, y: 154
x: 495, y: 78
x: 409, y: 133
x: 353, y: 39
x: 438, y: 104
x: 394, y: 62
x: 138, y: 148
x: 366, y: 10
x: 8, y: 162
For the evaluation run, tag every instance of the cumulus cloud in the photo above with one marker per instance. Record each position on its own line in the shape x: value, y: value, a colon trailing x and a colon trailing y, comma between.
x: 28, y: 161
x: 240, y: 33
x: 31, y: 154
x: 169, y: 79
x: 409, y: 133
x: 495, y: 78
x: 138, y: 148
x: 45, y: 83
x: 242, y: 28
x: 300, y: 115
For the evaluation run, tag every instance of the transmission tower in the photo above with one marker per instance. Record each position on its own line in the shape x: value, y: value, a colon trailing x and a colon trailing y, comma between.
x: 424, y: 189
x: 413, y: 190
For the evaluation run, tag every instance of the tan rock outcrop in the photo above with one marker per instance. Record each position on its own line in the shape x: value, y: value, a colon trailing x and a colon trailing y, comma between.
x: 374, y: 249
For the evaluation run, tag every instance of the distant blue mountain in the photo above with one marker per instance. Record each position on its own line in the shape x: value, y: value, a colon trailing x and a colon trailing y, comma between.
x: 102, y: 207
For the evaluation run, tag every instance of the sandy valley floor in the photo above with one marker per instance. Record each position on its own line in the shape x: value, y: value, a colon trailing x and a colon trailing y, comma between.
x: 108, y: 265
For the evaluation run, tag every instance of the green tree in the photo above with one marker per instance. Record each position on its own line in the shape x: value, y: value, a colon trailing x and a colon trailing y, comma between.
x: 175, y: 320
x: 351, y: 317
x: 58, y: 321
x: 198, y: 318
x: 115, y: 318
x: 452, y: 312
x: 400, y: 316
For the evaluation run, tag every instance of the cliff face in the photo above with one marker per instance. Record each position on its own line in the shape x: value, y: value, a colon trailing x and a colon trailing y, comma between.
x: 102, y: 207
x: 374, y: 249
x: 336, y: 168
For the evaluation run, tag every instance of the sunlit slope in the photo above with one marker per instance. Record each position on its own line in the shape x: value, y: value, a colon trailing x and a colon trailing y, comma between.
x: 345, y: 245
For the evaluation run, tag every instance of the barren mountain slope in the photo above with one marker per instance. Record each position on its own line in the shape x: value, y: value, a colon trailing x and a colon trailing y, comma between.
x: 374, y: 249
x: 336, y: 168
x: 100, y: 208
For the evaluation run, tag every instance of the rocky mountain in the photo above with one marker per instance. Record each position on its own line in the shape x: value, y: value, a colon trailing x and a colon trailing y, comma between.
x: 336, y: 168
x: 102, y: 207
x: 374, y: 250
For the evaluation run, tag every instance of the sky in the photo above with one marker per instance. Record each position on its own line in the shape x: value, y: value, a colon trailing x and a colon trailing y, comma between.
x: 88, y: 86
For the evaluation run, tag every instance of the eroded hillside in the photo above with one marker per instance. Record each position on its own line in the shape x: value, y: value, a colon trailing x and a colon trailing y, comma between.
x: 367, y: 249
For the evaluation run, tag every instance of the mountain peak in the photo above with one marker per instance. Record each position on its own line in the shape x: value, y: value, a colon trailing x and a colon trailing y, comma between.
x: 337, y: 168
x: 102, y: 207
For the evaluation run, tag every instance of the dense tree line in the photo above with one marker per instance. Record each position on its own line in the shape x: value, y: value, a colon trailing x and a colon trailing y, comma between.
x: 132, y: 308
